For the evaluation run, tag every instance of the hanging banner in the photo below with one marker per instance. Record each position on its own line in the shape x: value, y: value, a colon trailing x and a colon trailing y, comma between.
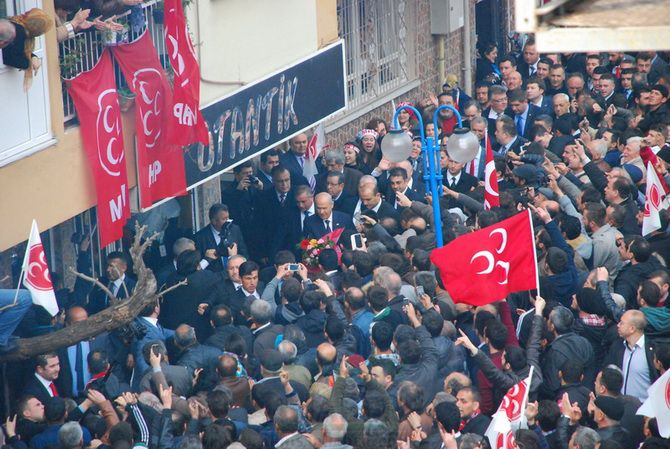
x: 97, y: 104
x: 160, y: 164
x: 186, y: 122
x: 268, y: 112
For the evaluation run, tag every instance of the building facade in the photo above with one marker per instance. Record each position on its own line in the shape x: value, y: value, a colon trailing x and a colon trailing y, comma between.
x: 390, y: 56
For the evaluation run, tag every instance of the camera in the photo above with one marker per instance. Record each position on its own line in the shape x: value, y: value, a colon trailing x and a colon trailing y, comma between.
x: 130, y: 332
x: 254, y: 180
x: 293, y: 267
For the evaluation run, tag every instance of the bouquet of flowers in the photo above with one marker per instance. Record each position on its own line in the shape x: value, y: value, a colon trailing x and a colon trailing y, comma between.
x: 312, y: 248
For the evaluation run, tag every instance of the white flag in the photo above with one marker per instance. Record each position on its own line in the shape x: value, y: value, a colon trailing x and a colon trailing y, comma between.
x: 36, y: 277
x: 657, y: 404
x: 653, y: 203
x: 510, y: 416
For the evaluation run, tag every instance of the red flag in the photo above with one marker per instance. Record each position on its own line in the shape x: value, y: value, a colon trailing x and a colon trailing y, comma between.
x: 486, y: 265
x: 653, y: 203
x: 187, y: 124
x: 97, y: 104
x: 160, y: 164
x: 36, y: 277
x: 335, y: 237
x: 491, y: 196
x: 648, y: 157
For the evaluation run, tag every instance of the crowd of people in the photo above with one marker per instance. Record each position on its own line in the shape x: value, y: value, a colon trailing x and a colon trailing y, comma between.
x: 279, y: 340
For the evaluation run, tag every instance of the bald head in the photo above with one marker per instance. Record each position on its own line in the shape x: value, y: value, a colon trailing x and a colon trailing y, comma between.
x: 326, y: 353
x: 227, y: 366
x: 76, y: 314
x: 324, y: 205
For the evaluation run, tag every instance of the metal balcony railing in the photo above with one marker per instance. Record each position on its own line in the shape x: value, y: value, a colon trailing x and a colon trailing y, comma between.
x: 82, y: 52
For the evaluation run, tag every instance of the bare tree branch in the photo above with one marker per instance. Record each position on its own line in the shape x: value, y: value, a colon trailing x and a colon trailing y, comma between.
x: 112, y: 299
x: 174, y: 287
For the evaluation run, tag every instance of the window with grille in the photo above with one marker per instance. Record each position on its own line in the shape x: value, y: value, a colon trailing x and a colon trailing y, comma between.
x: 375, y: 34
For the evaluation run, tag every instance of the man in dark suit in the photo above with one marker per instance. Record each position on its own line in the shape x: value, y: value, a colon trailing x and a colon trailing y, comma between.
x: 194, y: 355
x: 459, y: 181
x: 634, y: 354
x: 304, y: 198
x: 524, y: 113
x: 250, y: 290
x: 180, y: 245
x: 264, y: 330
x: 335, y: 187
x: 294, y: 159
x: 472, y: 421
x: 528, y: 65
x: 399, y: 183
x: 221, y: 319
x: 42, y: 383
x: 535, y: 94
x: 498, y: 107
x: 118, y: 283
x: 269, y: 160
x: 371, y: 199
x: 148, y: 320
x: 74, y: 370
x: 216, y: 240
x: 177, y: 376
x: 334, y: 162
x: 326, y: 219
x: 275, y: 210
x: 506, y: 136
x: 608, y: 92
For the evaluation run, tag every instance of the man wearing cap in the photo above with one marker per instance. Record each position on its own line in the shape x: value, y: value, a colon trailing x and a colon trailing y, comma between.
x: 658, y: 109
x: 607, y: 412
x: 525, y: 175
x: 271, y: 365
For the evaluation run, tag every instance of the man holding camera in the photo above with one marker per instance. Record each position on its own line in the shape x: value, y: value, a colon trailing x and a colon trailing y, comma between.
x: 220, y: 239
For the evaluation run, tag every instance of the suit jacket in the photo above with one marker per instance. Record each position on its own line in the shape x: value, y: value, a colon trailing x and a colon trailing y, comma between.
x: 547, y: 105
x: 65, y: 380
x: 314, y: 228
x: 465, y: 183
x: 533, y: 112
x: 617, y: 99
x: 617, y: 350
x: 97, y: 299
x: 235, y: 303
x: 346, y: 203
x: 202, y: 356
x: 153, y: 333
x: 523, y: 68
x: 204, y: 240
x: 351, y: 178
x: 275, y: 222
x: 409, y: 193
x: 658, y: 68
x: 515, y: 146
x: 289, y: 161
x: 386, y: 211
x: 477, y: 425
x: 178, y: 377
x: 164, y: 273
x: 267, y: 181
x: 35, y: 388
x: 180, y: 306
x: 492, y: 124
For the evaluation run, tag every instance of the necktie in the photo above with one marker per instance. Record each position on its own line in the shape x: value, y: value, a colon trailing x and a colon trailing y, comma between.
x: 282, y: 198
x: 453, y: 182
x: 302, y: 161
x: 327, y: 223
x: 112, y: 289
x: 54, y: 392
x: 532, y: 70
x: 519, y: 125
x: 79, y: 368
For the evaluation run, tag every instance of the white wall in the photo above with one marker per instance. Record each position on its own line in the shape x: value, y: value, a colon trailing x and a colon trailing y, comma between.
x: 243, y: 40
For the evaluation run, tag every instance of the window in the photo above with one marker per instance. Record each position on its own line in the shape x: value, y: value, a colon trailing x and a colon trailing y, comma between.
x: 375, y: 35
x: 25, y: 123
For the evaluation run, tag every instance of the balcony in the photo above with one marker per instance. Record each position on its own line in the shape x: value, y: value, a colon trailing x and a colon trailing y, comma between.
x: 82, y: 52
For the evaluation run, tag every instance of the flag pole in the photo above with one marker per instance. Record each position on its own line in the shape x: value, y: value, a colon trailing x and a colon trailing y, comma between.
x: 532, y: 239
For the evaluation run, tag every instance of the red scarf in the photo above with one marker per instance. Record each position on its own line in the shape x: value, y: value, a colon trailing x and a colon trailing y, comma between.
x: 464, y: 422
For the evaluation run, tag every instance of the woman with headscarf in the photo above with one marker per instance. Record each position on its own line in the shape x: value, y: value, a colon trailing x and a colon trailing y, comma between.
x: 18, y: 51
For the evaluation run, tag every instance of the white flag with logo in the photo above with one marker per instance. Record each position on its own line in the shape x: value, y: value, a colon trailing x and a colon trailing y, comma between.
x: 657, y: 404
x: 36, y: 277
x: 510, y: 416
x: 653, y: 203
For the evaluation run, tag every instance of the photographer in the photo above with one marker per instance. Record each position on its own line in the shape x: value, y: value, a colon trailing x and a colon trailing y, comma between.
x: 221, y: 239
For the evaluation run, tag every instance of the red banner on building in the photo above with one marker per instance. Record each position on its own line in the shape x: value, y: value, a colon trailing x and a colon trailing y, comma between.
x: 187, y: 124
x: 160, y: 163
x: 97, y: 104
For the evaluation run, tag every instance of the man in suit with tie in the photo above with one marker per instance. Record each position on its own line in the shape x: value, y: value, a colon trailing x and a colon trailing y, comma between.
x: 506, y: 136
x: 498, y: 107
x: 371, y: 199
x: 326, y: 219
x: 294, y: 159
x: 458, y: 180
x: 269, y: 160
x: 335, y: 187
x: 74, y: 371
x: 528, y: 66
x: 250, y: 289
x: 118, y: 283
x: 215, y: 240
x: 626, y: 81
x: 148, y: 320
x: 41, y: 383
x: 304, y: 198
x: 608, y: 92
x: 275, y: 211
x: 399, y: 183
x: 477, y: 167
x: 535, y: 89
x: 524, y: 113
